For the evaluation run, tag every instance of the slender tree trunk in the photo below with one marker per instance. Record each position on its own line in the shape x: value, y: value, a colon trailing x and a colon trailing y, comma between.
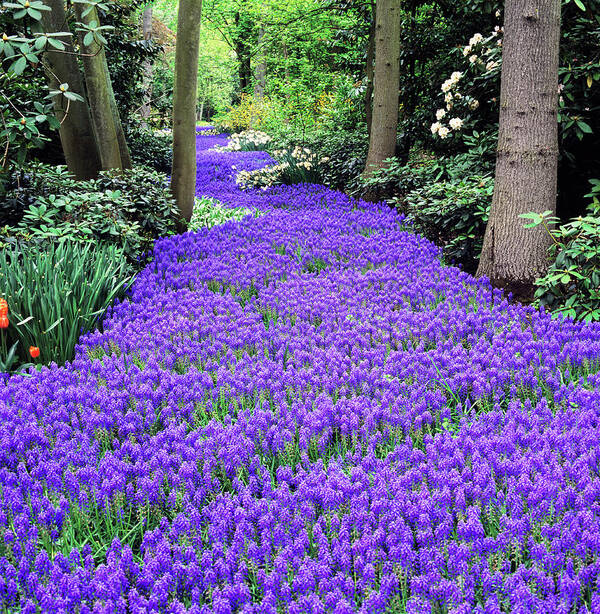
x: 99, y: 89
x: 123, y: 147
x: 183, y: 176
x: 369, y: 71
x: 526, y: 164
x: 147, y: 83
x: 384, y: 126
x: 260, y: 75
x: 76, y: 130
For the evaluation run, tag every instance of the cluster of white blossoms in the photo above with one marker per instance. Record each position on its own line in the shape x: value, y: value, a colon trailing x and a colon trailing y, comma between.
x: 448, y: 84
x: 245, y: 141
x: 482, y: 56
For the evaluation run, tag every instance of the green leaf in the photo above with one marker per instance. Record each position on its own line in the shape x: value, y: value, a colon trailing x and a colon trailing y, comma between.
x: 34, y: 14
x: 88, y: 39
x: 580, y: 4
x: 18, y: 66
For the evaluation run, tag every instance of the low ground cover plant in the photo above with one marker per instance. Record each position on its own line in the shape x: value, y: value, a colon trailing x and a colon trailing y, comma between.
x: 306, y: 411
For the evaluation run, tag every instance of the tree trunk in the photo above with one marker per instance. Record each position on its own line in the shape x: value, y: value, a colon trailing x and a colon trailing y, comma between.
x: 147, y: 83
x: 260, y: 73
x: 527, y: 155
x: 99, y: 89
x: 369, y: 71
x: 76, y: 130
x: 123, y: 147
x: 183, y: 176
x: 260, y: 77
x: 384, y: 126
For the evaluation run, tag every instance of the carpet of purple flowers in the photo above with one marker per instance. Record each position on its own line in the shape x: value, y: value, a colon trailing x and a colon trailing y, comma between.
x: 306, y: 411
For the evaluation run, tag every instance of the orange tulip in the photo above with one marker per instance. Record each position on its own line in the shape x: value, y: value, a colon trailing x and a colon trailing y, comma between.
x: 34, y: 351
x: 3, y: 307
x: 3, y: 321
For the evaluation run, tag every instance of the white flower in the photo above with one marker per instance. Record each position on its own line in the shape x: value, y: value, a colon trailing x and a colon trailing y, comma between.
x: 448, y: 97
x: 476, y: 38
x: 449, y: 106
x: 467, y: 50
x: 474, y: 104
x: 435, y: 127
x: 472, y: 58
x: 498, y: 13
x: 458, y: 96
x: 456, y: 76
x: 446, y: 85
x: 439, y: 114
x: 443, y: 132
x: 491, y: 65
x: 456, y: 123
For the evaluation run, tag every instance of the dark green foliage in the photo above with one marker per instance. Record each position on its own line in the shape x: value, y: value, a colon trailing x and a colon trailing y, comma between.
x: 572, y: 284
x: 453, y: 214
x: 54, y: 292
x: 149, y: 149
x: 130, y: 210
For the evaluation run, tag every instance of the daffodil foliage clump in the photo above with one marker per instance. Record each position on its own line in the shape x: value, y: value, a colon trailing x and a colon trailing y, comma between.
x: 306, y: 412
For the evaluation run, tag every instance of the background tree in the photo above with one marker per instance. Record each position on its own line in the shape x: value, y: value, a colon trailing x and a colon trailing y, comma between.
x: 183, y: 176
x: 384, y: 123
x: 105, y: 118
x: 76, y: 129
x: 527, y: 155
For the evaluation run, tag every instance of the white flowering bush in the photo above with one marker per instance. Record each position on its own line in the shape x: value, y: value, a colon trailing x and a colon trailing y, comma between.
x: 297, y: 165
x: 248, y: 140
x: 463, y: 90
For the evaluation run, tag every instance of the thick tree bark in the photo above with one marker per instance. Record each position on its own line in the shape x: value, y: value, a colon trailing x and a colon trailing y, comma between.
x: 526, y: 164
x: 147, y: 34
x: 183, y: 176
x: 76, y: 130
x: 369, y: 71
x: 99, y: 89
x: 384, y: 126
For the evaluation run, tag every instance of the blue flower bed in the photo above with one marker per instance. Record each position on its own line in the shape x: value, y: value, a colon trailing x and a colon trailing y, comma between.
x: 306, y: 412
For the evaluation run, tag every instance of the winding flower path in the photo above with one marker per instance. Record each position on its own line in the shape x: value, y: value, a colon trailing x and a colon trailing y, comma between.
x: 305, y: 412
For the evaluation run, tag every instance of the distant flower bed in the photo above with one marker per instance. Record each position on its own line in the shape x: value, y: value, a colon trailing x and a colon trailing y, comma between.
x: 249, y: 140
x: 306, y: 412
x: 297, y: 165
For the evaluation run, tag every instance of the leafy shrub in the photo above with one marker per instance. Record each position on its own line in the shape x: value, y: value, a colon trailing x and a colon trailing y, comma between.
x: 150, y: 149
x: 250, y: 113
x: 453, y: 214
x: 53, y: 293
x: 209, y: 212
x: 129, y: 209
x: 24, y: 186
x: 572, y: 284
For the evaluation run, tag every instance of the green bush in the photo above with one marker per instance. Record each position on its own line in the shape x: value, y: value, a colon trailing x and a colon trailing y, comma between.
x: 572, y: 284
x: 131, y: 209
x: 453, y: 214
x: 54, y: 292
x: 150, y: 149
